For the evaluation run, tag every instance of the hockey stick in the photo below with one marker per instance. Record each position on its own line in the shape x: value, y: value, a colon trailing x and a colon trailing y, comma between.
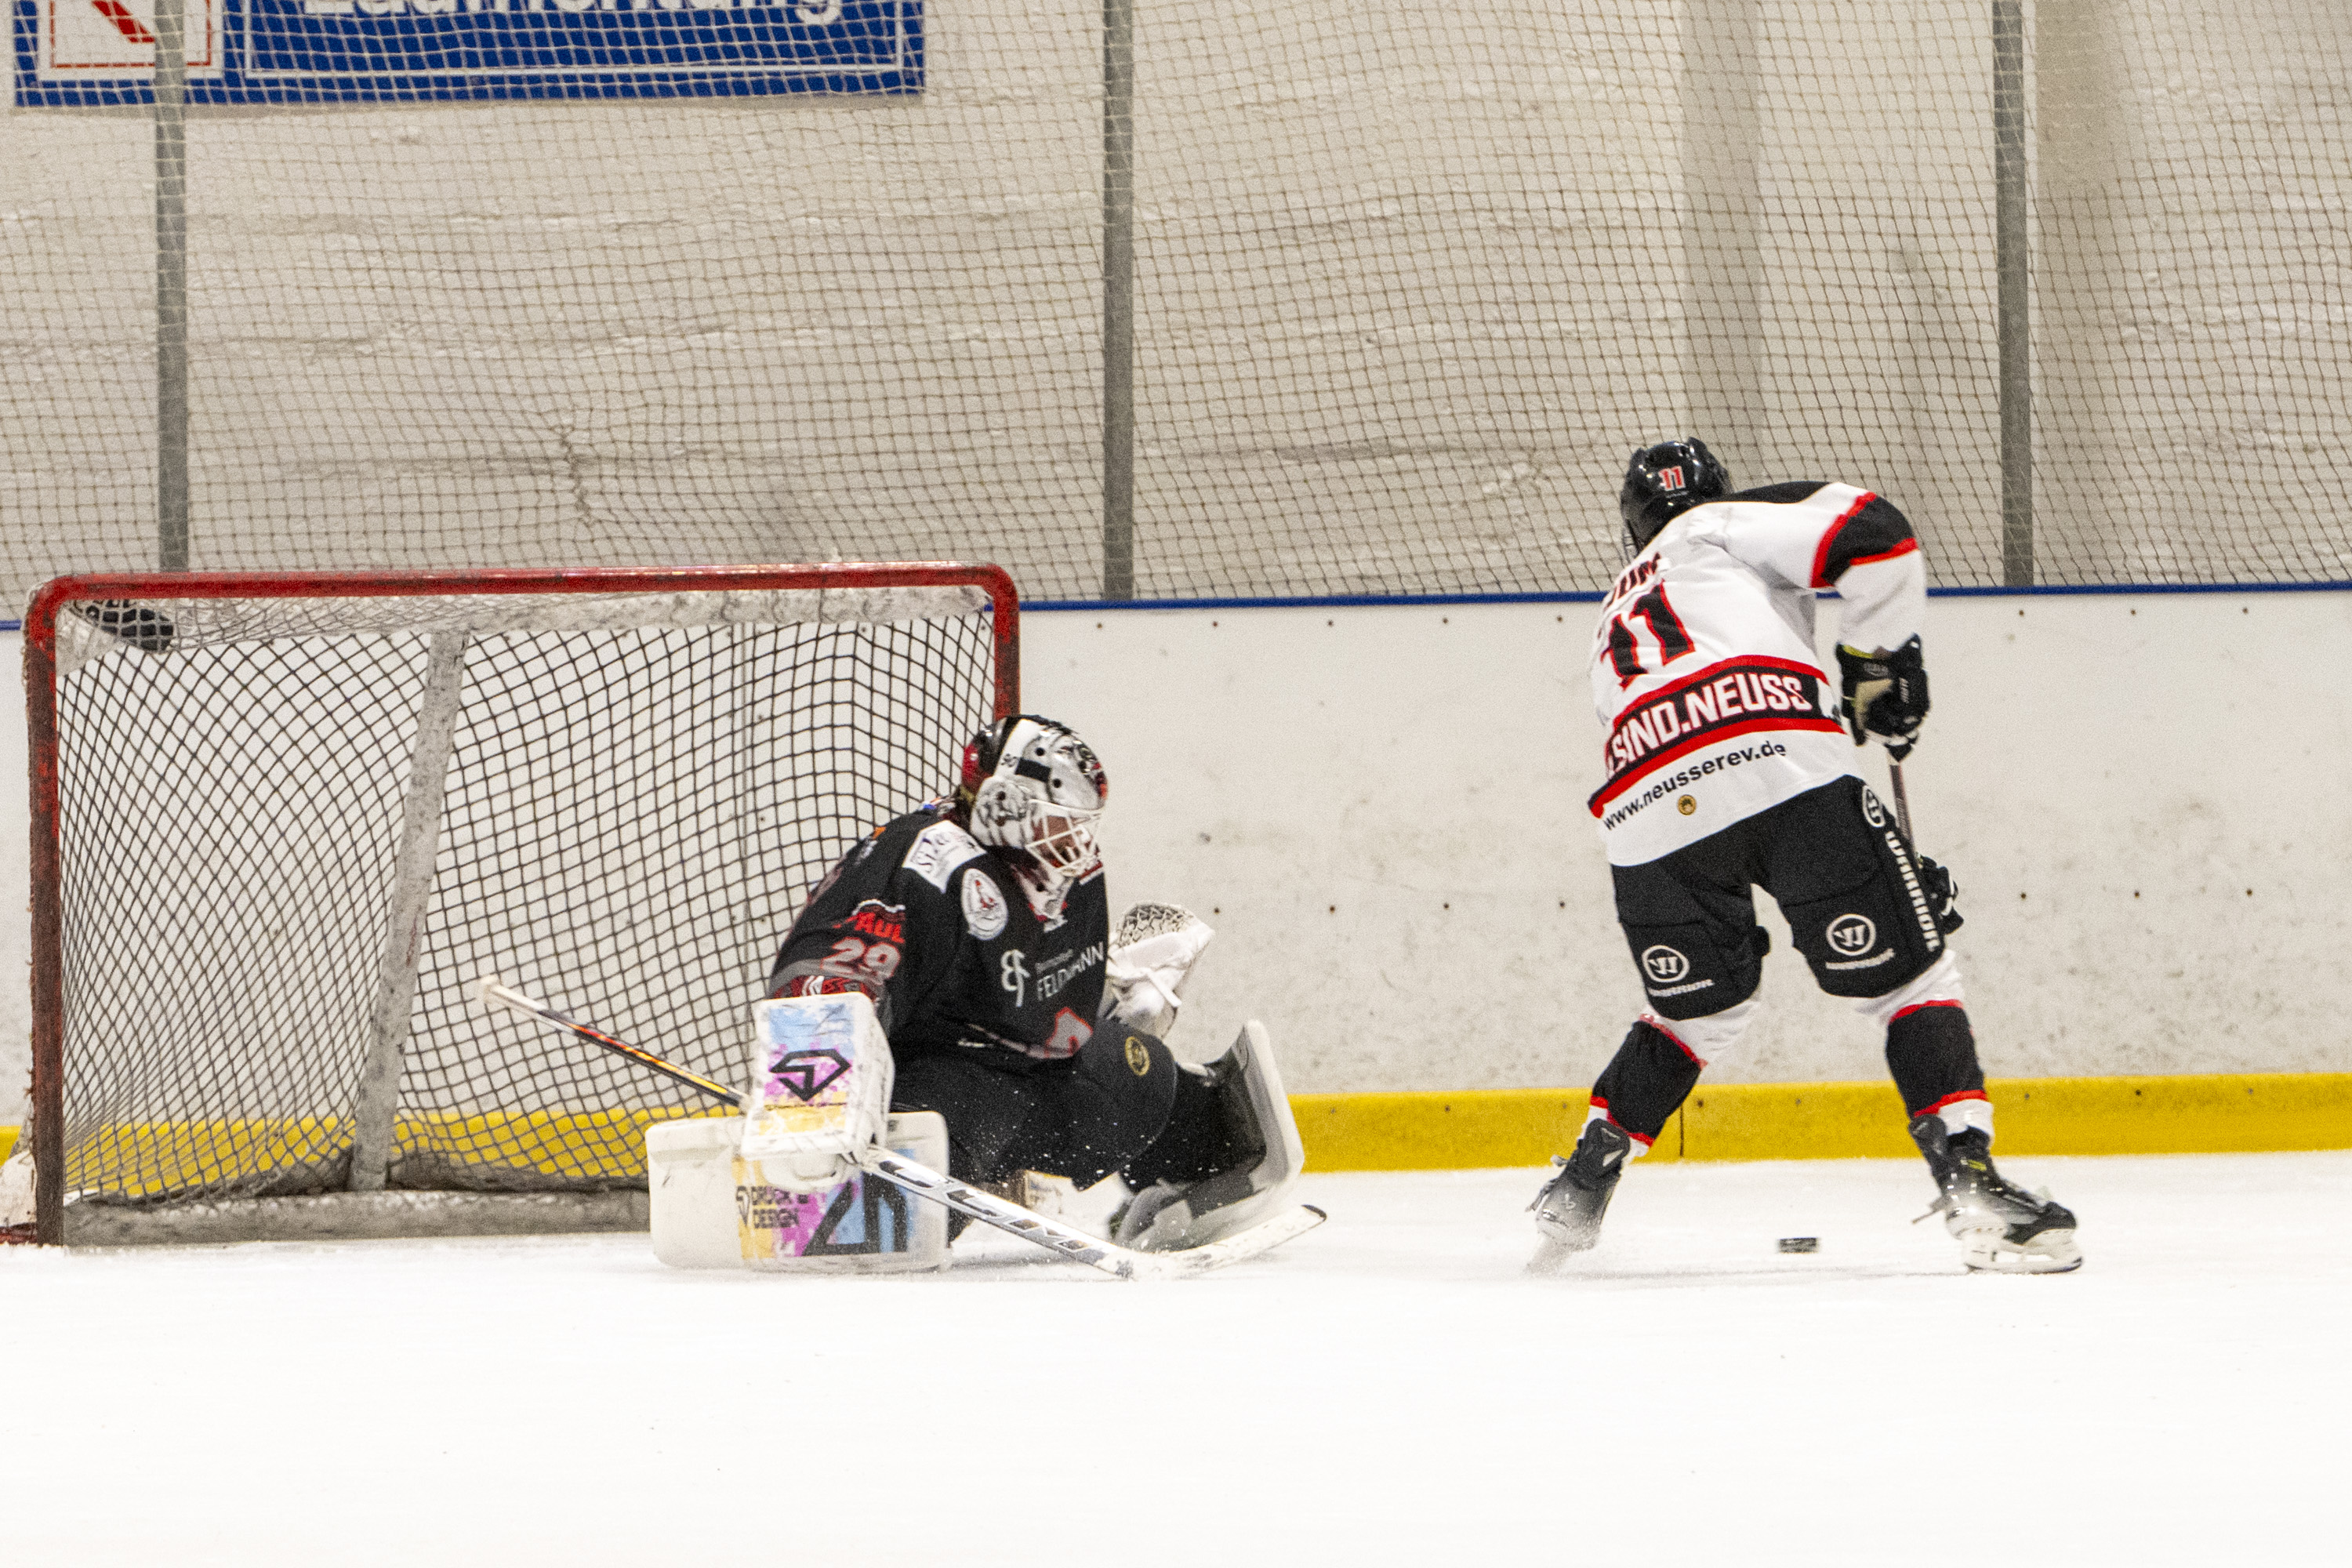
x: 1902, y: 801
x: 490, y: 990
x: 960, y: 1197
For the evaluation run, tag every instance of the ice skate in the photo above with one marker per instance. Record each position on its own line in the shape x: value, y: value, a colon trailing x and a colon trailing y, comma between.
x: 1570, y: 1207
x: 2001, y: 1226
x: 1261, y: 1158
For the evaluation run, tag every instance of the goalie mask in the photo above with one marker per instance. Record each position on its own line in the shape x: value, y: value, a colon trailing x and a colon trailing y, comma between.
x: 1033, y: 789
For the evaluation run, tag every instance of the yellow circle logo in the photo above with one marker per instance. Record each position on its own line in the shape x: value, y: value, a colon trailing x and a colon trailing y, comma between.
x: 1139, y: 1061
x: 1686, y: 806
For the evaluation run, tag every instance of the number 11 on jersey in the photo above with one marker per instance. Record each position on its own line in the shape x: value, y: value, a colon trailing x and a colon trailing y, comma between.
x: 1665, y: 630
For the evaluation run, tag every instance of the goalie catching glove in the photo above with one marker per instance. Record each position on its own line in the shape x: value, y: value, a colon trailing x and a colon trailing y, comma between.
x: 1150, y: 958
x: 1886, y: 695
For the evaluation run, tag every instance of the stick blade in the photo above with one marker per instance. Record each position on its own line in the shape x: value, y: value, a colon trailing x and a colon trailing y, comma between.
x: 1240, y: 1247
x: 494, y: 993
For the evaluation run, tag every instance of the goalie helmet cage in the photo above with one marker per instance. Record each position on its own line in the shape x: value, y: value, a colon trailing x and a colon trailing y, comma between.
x: 283, y: 821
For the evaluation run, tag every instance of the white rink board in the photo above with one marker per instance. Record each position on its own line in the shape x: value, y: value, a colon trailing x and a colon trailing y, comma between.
x: 1424, y: 769
x: 2107, y: 775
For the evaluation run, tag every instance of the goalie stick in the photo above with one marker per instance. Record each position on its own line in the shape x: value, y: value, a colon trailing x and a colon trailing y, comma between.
x: 960, y: 1197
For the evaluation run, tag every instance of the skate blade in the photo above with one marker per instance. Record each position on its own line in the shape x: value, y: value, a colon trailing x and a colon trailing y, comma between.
x: 1552, y: 1256
x: 2051, y: 1252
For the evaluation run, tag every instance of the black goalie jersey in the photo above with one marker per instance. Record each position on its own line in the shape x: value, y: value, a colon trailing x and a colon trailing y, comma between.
x: 939, y: 931
x: 1703, y: 664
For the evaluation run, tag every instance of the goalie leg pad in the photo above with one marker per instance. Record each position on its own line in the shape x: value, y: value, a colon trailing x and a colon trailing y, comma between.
x: 1170, y: 1214
x: 712, y: 1208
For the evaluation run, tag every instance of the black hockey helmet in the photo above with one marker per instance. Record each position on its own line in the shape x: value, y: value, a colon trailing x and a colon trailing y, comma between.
x: 1664, y: 481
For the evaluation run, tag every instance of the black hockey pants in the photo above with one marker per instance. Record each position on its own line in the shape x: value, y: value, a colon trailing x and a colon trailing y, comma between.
x: 1083, y: 1117
x: 1858, y: 907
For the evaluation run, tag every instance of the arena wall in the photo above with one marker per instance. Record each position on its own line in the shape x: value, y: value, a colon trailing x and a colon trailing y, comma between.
x: 1410, y: 282
x: 2141, y: 794
x: 1381, y: 809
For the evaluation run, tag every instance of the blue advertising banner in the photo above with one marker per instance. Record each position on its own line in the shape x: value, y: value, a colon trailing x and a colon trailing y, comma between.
x: 74, y: 53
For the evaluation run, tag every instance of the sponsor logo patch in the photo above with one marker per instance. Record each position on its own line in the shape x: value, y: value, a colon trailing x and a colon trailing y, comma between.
x: 1139, y: 1061
x: 1053, y: 975
x: 1686, y: 806
x: 937, y: 850
x: 1664, y: 965
x: 1853, y: 934
x: 1013, y: 973
x: 984, y: 912
x: 1871, y: 812
x: 1735, y: 697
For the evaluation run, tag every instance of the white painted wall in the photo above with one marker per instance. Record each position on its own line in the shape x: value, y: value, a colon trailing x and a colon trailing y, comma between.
x: 1385, y: 808
x: 1382, y: 811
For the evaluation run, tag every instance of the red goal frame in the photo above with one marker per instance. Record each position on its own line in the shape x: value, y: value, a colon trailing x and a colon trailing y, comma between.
x: 47, y: 1129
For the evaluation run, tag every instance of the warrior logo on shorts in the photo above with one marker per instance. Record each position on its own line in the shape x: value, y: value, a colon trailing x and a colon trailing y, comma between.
x: 1664, y: 965
x: 1853, y: 934
x: 1871, y: 812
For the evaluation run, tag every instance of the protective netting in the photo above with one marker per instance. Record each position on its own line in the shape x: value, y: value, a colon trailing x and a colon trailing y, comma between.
x: 632, y: 812
x: 1408, y: 283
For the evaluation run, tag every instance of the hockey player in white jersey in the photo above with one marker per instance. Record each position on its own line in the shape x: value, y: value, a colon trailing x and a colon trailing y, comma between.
x: 1730, y: 766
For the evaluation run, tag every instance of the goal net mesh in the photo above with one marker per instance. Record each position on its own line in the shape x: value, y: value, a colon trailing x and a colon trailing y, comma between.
x: 1409, y: 283
x: 638, y: 793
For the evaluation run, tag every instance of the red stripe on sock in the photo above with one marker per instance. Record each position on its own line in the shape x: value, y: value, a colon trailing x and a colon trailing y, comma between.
x: 1919, y: 1007
x: 1953, y: 1099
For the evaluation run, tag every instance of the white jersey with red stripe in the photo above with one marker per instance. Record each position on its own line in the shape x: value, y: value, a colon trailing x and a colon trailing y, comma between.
x: 1703, y: 667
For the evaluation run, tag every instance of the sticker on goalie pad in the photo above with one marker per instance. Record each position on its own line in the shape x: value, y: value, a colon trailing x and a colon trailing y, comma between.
x: 712, y: 1208
x: 821, y: 1074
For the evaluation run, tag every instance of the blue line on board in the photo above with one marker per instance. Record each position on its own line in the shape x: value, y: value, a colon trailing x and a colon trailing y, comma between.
x: 1316, y: 601
x: 1325, y: 601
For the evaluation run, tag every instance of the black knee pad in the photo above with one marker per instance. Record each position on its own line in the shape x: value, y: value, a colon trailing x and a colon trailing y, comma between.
x: 1118, y: 1097
x: 1878, y: 934
x: 1691, y: 970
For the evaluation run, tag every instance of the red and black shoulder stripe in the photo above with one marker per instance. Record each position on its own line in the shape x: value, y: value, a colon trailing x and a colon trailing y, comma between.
x: 1869, y: 529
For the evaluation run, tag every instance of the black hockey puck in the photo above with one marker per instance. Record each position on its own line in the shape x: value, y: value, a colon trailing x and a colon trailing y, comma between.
x: 1801, y: 1244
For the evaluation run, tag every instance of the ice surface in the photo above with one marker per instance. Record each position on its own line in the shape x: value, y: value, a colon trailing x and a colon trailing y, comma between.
x: 1389, y: 1389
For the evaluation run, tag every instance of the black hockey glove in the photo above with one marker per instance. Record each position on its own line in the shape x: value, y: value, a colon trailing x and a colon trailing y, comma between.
x: 1886, y: 697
